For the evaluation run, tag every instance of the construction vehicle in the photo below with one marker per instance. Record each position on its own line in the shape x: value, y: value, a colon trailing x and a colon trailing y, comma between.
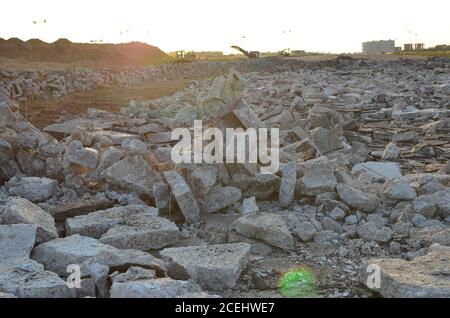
x: 185, y: 57
x: 285, y: 53
x: 250, y: 55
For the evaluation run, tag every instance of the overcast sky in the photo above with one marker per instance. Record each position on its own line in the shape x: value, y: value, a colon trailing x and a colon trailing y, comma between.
x: 319, y: 25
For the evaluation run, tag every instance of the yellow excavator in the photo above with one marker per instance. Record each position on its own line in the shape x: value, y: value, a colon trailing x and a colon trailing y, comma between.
x: 185, y: 57
x: 285, y: 53
x: 250, y: 55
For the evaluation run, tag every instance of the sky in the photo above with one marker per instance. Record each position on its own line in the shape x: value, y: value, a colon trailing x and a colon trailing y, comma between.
x: 335, y: 26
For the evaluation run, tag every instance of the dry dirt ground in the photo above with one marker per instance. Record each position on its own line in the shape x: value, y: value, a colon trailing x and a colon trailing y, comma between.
x: 43, y: 113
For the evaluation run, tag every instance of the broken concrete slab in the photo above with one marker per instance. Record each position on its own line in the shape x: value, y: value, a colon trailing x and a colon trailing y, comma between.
x: 161, y: 194
x: 249, y: 206
x: 327, y: 140
x: 214, y: 267
x: 203, y: 178
x: 20, y: 210
x: 370, y: 231
x: 247, y: 116
x: 379, y: 170
x: 57, y: 254
x: 268, y: 227
x: 318, y: 177
x: 142, y: 233
x: 132, y: 173
x: 261, y: 186
x: 116, y: 137
x: 423, y: 277
x: 33, y: 188
x: 183, y: 195
x: 16, y: 241
x: 28, y: 279
x: 358, y: 199
x: 121, y: 260
x: 219, y: 198
x: 399, y: 189
x: 391, y: 152
x: 288, y: 183
x: 305, y: 231
x: 84, y: 157
x: 97, y: 223
x: 73, y: 209
x: 154, y: 288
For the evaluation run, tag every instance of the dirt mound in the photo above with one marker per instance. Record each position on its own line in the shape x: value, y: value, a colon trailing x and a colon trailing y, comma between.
x: 64, y: 51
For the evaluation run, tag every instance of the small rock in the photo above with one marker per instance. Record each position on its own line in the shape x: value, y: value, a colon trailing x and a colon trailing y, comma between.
x: 183, y: 195
x: 32, y: 188
x: 16, y: 241
x: 399, y: 189
x: 288, y: 182
x: 305, y: 231
x: 249, y: 206
x: 358, y: 199
x: 268, y: 227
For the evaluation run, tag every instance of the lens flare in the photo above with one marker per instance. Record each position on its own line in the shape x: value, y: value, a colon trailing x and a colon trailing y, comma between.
x: 298, y: 283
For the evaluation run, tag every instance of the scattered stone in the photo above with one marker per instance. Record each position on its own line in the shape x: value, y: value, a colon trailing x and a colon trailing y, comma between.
x: 305, y: 231
x: 406, y: 137
x: 318, y: 177
x: 142, y: 233
x: 337, y: 214
x: 332, y: 225
x: 183, y: 196
x: 371, y: 232
x: 132, y: 173
x: 84, y: 157
x: 399, y: 189
x: 288, y: 182
x: 214, y: 267
x: 379, y: 170
x: 249, y: 206
x: 20, y: 210
x: 423, y: 277
x: 70, y: 210
x: 16, y: 241
x: 267, y: 227
x: 32, y: 188
x: 219, y: 198
x: 25, y: 278
x: 391, y: 152
x: 97, y: 223
x: 134, y: 147
x: 203, y: 179
x: 161, y: 193
x: 57, y: 254
x: 154, y: 288
x: 358, y: 199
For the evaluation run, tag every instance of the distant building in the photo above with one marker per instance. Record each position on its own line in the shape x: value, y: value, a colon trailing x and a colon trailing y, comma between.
x: 408, y: 47
x: 419, y: 46
x: 378, y: 47
x: 297, y: 52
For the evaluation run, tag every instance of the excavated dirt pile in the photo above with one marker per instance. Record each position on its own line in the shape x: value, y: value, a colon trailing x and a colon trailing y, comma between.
x: 64, y: 51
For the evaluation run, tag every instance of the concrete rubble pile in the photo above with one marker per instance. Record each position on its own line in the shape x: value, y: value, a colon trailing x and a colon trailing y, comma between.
x: 364, y: 179
x: 22, y: 85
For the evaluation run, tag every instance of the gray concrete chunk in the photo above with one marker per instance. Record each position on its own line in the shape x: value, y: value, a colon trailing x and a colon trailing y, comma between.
x: 214, y: 267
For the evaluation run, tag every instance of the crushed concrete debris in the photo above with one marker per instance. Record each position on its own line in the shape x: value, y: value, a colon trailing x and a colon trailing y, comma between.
x: 363, y: 179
